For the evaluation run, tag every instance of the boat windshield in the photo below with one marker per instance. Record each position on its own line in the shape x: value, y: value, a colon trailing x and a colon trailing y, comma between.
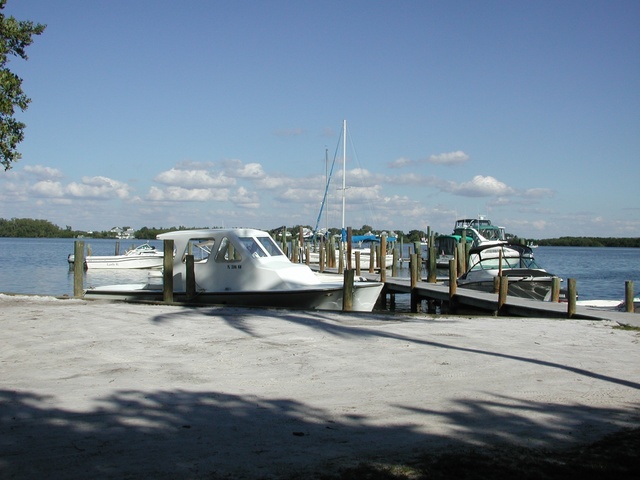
x: 261, y: 246
x: 507, y: 263
x: 270, y: 246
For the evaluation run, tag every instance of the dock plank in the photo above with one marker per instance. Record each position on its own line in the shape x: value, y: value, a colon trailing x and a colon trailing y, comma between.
x: 514, y: 306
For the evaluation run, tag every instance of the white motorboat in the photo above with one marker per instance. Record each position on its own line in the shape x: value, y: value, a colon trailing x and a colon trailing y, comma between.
x: 481, y: 230
x: 477, y: 232
x: 143, y: 256
x: 526, y: 278
x: 244, y: 267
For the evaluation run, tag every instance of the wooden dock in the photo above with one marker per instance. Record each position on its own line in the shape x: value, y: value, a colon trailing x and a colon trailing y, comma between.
x: 468, y: 301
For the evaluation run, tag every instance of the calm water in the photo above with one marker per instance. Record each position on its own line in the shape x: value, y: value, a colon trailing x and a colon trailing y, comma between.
x: 34, y: 265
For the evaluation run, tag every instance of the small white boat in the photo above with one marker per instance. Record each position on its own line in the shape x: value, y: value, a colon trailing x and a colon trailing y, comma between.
x: 244, y: 267
x: 526, y: 279
x: 143, y: 256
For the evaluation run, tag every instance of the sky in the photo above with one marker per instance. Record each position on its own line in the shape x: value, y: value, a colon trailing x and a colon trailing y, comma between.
x: 217, y: 113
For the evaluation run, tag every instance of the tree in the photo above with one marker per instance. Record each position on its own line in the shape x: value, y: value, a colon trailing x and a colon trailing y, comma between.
x: 15, y: 37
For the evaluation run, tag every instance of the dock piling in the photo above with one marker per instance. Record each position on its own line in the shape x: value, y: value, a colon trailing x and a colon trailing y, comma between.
x: 78, y: 268
x: 628, y: 296
x: 347, y: 293
x: 167, y: 272
x: 571, y: 297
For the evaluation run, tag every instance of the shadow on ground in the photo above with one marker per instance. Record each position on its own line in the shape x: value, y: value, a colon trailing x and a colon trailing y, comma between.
x: 183, y: 434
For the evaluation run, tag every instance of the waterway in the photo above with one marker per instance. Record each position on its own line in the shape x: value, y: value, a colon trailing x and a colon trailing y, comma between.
x: 40, y: 266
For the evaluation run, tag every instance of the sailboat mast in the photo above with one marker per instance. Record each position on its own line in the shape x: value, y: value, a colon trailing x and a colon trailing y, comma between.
x: 344, y: 168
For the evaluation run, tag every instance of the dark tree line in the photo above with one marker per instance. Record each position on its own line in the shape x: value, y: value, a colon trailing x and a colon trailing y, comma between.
x: 34, y: 228
x: 591, y: 242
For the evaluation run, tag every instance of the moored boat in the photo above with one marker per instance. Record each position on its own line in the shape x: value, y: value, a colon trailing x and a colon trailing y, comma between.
x: 244, y: 267
x: 481, y: 230
x: 142, y: 256
x: 526, y: 279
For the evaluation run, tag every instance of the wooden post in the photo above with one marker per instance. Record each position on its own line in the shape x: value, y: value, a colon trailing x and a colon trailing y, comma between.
x: 190, y: 278
x: 78, y: 268
x: 322, y: 255
x: 284, y: 241
x: 415, y: 268
x: 453, y: 279
x: 502, y: 294
x: 341, y: 258
x: 358, y: 263
x: 453, y: 285
x: 300, y: 242
x: 117, y: 251
x: 347, y: 291
x: 496, y: 284
x: 460, y: 265
x: 307, y: 251
x: 167, y: 272
x: 571, y: 294
x: 467, y: 248
x: 628, y: 296
x: 331, y: 253
x: 383, y: 258
x: 555, y: 289
x: 432, y: 265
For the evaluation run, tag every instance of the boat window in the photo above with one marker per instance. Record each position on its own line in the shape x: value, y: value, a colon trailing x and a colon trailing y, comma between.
x: 253, y: 247
x: 270, y: 246
x: 200, y: 248
x: 530, y: 263
x: 227, y: 252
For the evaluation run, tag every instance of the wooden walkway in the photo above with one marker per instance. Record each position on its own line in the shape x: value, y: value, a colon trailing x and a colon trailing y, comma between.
x: 467, y: 301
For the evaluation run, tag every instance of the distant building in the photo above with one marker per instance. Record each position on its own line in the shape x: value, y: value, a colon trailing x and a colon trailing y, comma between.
x: 126, y: 233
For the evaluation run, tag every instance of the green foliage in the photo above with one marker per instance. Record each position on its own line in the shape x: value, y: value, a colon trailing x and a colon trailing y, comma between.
x: 30, y: 228
x: 15, y: 36
x: 590, y: 242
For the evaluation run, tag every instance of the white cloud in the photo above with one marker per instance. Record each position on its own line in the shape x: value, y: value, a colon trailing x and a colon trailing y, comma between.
x: 42, y: 171
x: 250, y: 170
x: 245, y: 199
x: 480, y: 186
x: 47, y: 189
x: 193, y: 178
x: 539, y: 193
x: 179, y: 194
x: 451, y: 158
x: 238, y: 169
x: 401, y: 163
x: 98, y: 188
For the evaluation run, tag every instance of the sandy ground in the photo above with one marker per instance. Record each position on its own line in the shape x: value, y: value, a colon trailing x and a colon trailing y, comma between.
x: 92, y: 389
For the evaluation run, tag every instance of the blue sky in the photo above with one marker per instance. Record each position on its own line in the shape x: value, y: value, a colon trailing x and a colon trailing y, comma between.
x: 218, y: 113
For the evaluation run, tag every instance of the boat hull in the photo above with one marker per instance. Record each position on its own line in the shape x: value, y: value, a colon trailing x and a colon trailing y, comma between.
x: 531, y: 289
x: 120, y: 262
x: 324, y: 297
